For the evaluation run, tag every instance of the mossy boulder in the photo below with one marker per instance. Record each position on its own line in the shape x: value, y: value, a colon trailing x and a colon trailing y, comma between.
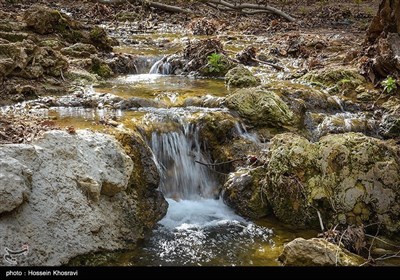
x: 220, y: 135
x: 349, y: 178
x: 390, y: 123
x: 44, y: 20
x: 242, y: 192
x: 241, y: 77
x: 25, y: 59
x: 79, y: 50
x: 260, y: 107
x: 101, y: 68
x: 99, y: 38
x: 337, y: 80
x: 317, y: 252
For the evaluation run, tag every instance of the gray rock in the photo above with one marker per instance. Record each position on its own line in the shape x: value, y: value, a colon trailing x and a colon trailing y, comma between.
x: 78, y: 200
x: 15, y: 183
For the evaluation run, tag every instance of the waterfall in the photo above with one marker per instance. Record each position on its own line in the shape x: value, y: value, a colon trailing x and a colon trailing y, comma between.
x: 161, y: 66
x: 181, y: 176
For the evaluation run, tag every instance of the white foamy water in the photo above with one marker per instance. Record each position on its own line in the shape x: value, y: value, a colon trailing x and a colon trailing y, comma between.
x: 202, y: 232
x: 186, y: 214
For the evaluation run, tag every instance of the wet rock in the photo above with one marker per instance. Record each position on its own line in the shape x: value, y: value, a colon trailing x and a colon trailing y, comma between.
x: 79, y: 50
x: 317, y: 252
x: 123, y: 64
x: 390, y: 126
x: 260, y: 107
x: 390, y: 123
x: 84, y: 189
x: 336, y: 176
x: 44, y: 20
x: 243, y: 192
x: 145, y: 178
x: 15, y: 184
x: 337, y: 80
x: 241, y: 77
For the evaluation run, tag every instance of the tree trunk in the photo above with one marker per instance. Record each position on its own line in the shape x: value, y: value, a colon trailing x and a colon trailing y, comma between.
x: 383, y: 43
x: 386, y: 21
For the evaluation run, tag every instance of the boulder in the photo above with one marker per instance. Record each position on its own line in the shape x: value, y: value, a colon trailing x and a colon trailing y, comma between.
x: 317, y: 252
x: 83, y: 193
x: 260, y: 107
x: 44, y: 20
x: 342, y: 81
x: 349, y: 178
x: 15, y: 184
x: 79, y: 50
x: 241, y: 77
x: 243, y: 192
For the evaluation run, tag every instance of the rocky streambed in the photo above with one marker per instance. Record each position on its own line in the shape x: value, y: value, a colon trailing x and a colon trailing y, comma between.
x: 175, y: 158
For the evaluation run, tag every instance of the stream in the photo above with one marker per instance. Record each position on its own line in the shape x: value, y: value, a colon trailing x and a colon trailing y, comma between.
x: 198, y: 229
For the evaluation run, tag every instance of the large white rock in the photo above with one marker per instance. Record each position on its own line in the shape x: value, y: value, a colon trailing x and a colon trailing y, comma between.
x: 15, y: 182
x: 74, y: 188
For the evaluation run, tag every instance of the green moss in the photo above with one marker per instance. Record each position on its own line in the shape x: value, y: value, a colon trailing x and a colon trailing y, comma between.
x: 260, y: 107
x: 338, y: 80
x: 241, y: 77
x: 99, y: 38
x: 101, y: 68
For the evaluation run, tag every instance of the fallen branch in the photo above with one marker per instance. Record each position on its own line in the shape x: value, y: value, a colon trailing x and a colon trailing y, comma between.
x: 165, y: 7
x: 252, y: 7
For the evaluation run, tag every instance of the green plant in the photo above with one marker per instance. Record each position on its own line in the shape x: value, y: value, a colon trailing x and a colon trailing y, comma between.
x: 389, y: 84
x: 215, y: 62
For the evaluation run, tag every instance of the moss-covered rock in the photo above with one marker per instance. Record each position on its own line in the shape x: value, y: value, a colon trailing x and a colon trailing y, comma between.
x: 44, y: 20
x: 337, y: 80
x: 350, y: 178
x: 79, y: 50
x: 317, y: 252
x: 99, y: 38
x: 260, y: 107
x: 217, y: 68
x: 243, y: 192
x: 241, y: 77
x: 101, y: 68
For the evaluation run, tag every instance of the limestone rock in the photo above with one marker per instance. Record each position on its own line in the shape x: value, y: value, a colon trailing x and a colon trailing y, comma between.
x: 317, y: 252
x: 15, y: 184
x: 83, y: 195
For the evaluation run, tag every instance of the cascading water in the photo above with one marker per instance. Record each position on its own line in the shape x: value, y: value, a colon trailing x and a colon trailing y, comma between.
x: 198, y: 229
x: 161, y: 67
x: 179, y: 155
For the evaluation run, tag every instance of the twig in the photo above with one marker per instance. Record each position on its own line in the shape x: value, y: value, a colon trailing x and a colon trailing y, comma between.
x: 381, y: 240
x: 372, y: 243
x: 219, y: 163
x: 337, y: 250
